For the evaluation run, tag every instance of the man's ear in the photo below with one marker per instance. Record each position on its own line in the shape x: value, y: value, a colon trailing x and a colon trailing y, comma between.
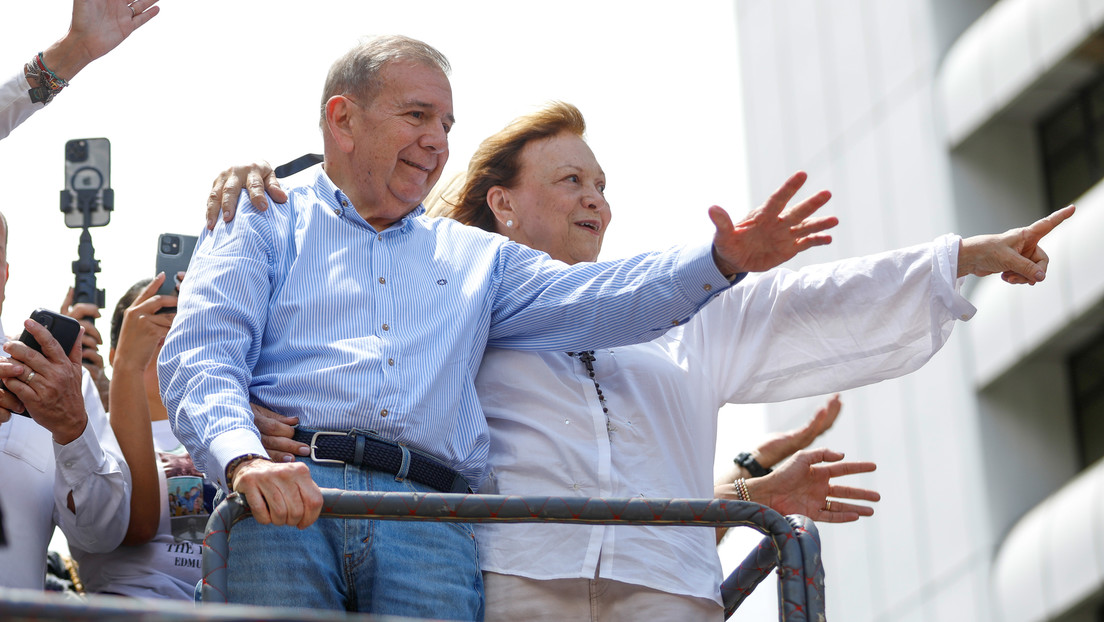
x: 498, y: 199
x: 339, y: 112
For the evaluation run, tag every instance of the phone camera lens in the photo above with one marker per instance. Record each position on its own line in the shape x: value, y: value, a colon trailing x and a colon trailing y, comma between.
x: 170, y: 245
x: 76, y: 150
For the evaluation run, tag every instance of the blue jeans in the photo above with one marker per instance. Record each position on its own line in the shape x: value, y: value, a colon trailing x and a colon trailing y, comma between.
x: 386, y: 567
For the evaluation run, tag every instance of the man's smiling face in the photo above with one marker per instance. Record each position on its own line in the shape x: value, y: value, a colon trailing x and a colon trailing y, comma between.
x: 401, y: 140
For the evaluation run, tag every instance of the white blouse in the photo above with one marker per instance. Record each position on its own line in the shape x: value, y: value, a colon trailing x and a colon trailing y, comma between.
x: 776, y: 336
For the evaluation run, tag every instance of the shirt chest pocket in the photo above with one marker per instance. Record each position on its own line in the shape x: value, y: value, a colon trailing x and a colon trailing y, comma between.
x: 27, y: 441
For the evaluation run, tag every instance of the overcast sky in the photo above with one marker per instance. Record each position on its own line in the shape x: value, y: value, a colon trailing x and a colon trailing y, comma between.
x: 207, y: 84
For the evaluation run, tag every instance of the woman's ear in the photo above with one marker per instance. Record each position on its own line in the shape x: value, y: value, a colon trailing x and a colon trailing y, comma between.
x: 498, y: 199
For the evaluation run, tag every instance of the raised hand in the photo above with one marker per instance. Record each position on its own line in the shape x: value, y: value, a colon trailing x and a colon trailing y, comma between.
x: 784, y: 444
x: 772, y: 233
x: 1015, y: 253
x: 257, y: 178
x: 803, y: 484
x: 98, y: 26
x: 86, y: 313
x: 143, y: 328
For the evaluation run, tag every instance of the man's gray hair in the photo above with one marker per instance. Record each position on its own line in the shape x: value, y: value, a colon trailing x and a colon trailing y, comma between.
x: 357, y: 71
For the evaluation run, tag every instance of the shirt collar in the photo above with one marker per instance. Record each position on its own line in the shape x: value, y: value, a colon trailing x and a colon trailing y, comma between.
x: 342, y: 206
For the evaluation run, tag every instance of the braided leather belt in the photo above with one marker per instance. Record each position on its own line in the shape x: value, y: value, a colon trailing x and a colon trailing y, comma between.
x: 379, y: 455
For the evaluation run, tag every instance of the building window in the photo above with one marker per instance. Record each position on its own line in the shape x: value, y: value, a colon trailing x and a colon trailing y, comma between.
x: 1072, y: 137
x: 1086, y: 369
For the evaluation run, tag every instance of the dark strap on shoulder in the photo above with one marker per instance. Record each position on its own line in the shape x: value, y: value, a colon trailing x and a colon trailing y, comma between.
x: 301, y: 163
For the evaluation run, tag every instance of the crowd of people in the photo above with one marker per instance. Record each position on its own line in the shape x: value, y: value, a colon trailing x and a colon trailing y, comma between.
x: 342, y: 328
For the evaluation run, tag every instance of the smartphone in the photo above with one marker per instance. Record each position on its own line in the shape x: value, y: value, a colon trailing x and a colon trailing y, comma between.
x: 174, y: 252
x: 87, y: 178
x: 64, y: 328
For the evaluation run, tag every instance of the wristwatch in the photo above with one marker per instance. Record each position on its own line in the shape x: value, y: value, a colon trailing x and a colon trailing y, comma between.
x: 751, y: 464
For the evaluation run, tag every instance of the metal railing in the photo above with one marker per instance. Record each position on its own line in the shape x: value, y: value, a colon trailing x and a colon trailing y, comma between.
x: 791, y: 544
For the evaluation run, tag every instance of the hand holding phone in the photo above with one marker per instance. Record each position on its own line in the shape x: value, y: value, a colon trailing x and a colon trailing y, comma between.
x: 63, y: 328
x: 174, y: 252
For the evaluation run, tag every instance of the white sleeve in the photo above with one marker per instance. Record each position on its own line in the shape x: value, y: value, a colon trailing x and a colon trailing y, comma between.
x: 15, y: 104
x: 832, y: 327
x: 93, y: 469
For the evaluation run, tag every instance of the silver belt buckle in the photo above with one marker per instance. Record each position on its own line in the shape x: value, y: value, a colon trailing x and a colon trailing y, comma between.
x: 314, y: 446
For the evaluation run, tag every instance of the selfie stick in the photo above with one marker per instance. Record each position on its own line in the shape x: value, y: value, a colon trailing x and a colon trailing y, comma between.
x: 86, y: 266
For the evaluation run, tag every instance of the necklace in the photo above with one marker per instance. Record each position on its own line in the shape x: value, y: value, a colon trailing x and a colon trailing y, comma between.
x: 587, y: 359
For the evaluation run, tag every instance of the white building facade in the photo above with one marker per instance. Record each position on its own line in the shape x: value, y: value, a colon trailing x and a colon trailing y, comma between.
x: 972, y: 116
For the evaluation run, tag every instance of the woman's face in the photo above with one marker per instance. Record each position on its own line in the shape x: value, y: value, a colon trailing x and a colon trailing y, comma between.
x: 558, y: 204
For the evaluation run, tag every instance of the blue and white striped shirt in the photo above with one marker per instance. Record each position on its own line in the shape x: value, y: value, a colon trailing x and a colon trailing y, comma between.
x: 306, y: 309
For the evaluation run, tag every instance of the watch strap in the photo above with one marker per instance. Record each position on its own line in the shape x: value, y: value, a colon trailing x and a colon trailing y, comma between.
x: 746, y: 460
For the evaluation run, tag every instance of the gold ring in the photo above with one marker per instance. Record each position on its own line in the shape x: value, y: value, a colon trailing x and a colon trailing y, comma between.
x: 827, y: 505
x: 30, y: 377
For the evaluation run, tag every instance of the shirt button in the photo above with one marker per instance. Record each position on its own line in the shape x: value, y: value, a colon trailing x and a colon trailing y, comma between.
x: 337, y: 211
x: 391, y: 362
x: 708, y: 287
x: 344, y: 203
x: 383, y: 413
x: 964, y: 317
x: 386, y: 327
x: 575, y: 486
x: 382, y: 280
x: 380, y: 237
x: 674, y: 322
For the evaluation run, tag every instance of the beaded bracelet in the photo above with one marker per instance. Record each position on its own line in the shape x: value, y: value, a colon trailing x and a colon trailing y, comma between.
x: 742, y: 493
x: 237, y: 462
x: 49, y: 83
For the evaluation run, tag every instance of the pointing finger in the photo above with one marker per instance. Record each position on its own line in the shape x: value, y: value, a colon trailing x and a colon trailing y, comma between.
x: 1043, y: 226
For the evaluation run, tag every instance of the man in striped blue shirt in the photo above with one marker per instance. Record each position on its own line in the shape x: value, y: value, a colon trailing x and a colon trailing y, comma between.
x: 347, y: 307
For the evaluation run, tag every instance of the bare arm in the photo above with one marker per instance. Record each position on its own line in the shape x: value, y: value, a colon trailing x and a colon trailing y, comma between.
x: 130, y: 415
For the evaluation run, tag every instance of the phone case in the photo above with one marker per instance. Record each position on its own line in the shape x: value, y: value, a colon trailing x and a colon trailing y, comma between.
x: 174, y: 252
x: 64, y: 328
